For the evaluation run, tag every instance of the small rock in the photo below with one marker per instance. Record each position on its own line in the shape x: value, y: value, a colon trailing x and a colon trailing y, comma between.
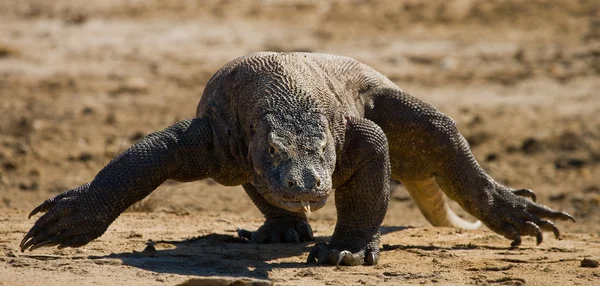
x: 512, y: 149
x: 475, y: 120
x: 82, y: 157
x: 35, y: 172
x: 569, y: 141
x: 55, y: 189
x: 491, y: 157
x: 520, y: 55
x: 21, y: 148
x: 592, y: 189
x: 557, y: 197
x: 7, y: 51
x: 569, y: 163
x: 137, y: 136
x: 111, y: 118
x: 9, y: 166
x: 88, y: 111
x: 305, y: 273
x: 85, y: 157
x: 38, y: 124
x: 477, y: 138
x: 76, y: 19
x: 135, y: 235
x: 589, y: 263
x: 7, y: 202
x: 531, y: 146
x: 32, y: 186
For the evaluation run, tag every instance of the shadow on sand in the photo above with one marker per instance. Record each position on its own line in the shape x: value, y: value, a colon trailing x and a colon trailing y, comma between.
x: 219, y: 255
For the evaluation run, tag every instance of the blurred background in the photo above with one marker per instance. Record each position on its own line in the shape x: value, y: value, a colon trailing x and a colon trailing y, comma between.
x: 82, y: 80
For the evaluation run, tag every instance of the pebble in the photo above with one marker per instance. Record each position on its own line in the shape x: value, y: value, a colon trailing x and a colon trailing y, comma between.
x: 589, y: 263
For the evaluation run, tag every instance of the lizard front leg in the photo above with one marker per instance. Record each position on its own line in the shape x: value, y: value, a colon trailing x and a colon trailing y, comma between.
x: 362, y: 175
x: 280, y: 226
x: 183, y: 151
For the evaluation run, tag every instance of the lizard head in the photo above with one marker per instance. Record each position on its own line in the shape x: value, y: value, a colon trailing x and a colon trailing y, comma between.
x: 293, y: 156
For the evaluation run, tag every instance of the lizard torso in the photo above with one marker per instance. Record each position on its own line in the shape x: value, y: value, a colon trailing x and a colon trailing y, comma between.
x: 251, y: 86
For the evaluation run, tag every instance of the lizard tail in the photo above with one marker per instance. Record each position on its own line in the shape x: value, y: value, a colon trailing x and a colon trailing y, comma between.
x: 432, y: 202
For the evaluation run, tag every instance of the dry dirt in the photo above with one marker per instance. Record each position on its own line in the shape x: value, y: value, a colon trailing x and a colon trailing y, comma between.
x: 82, y: 80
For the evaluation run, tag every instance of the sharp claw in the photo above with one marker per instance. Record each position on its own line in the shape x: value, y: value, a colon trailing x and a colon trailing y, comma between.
x: 318, y: 248
x: 27, y: 245
x: 41, y: 244
x: 322, y: 259
x: 33, y: 212
x: 323, y: 253
x: 566, y: 216
x: 526, y: 193
x: 346, y: 257
x: 21, y: 247
x: 32, y: 232
x: 516, y: 242
x: 49, y: 203
x: 562, y: 216
x: 45, y: 206
x: 311, y: 257
x: 23, y: 241
x: 340, y: 258
x: 371, y: 258
x: 543, y: 211
x: 548, y: 225
x: 533, y: 229
x: 40, y: 208
x: 242, y: 233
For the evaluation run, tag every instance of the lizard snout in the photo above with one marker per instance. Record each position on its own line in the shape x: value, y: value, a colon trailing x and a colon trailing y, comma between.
x: 306, y: 181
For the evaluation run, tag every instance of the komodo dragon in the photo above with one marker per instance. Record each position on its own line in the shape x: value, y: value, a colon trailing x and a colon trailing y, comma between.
x: 290, y: 128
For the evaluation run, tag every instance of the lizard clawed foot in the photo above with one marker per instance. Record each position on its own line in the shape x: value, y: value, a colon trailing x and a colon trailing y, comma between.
x: 284, y: 229
x: 71, y: 219
x: 514, y: 216
x: 323, y: 253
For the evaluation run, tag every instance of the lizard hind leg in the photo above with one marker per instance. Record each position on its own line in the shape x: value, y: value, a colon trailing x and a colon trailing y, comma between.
x: 433, y: 204
x: 426, y: 143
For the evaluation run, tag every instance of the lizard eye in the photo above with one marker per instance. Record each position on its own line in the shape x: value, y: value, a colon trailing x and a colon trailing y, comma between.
x: 272, y: 149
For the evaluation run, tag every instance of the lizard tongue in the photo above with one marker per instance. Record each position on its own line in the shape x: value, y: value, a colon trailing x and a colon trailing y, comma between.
x: 306, y: 206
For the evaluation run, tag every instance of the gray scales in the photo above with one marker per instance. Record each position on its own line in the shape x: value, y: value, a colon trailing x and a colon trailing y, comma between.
x: 290, y: 128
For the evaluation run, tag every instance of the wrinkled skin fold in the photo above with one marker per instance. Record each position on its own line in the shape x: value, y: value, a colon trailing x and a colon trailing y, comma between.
x: 291, y: 128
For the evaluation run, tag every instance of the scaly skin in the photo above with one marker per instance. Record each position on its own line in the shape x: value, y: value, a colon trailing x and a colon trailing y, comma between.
x: 290, y: 128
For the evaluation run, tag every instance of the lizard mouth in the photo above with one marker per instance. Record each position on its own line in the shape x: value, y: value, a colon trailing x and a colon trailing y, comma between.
x: 302, y: 206
x: 305, y: 205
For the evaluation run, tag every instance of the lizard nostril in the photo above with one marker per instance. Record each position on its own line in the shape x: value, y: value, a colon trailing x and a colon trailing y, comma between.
x: 291, y: 183
x: 318, y: 183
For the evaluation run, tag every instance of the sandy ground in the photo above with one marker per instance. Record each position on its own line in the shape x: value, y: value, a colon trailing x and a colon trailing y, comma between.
x: 82, y: 80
